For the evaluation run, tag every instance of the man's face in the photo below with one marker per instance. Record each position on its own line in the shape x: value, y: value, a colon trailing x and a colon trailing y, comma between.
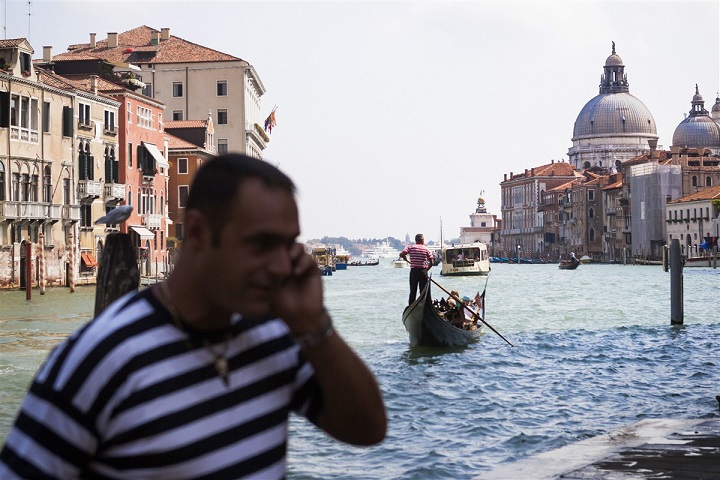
x: 253, y: 257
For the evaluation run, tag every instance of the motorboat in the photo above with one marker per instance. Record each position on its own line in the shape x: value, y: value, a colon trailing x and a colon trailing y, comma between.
x: 465, y: 259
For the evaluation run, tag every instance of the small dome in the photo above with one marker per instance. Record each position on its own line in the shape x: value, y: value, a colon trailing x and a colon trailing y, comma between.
x: 716, y: 107
x: 698, y: 98
x: 614, y: 113
x: 698, y: 131
x: 481, y: 201
x: 613, y: 60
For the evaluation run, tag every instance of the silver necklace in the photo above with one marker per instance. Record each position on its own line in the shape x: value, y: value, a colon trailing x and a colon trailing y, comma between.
x: 220, y: 361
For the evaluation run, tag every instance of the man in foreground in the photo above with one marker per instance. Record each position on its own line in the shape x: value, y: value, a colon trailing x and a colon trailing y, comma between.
x: 196, y: 377
x: 421, y: 259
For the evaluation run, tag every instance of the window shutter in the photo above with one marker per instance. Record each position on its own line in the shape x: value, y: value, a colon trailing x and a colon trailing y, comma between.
x: 4, y: 109
x: 67, y: 122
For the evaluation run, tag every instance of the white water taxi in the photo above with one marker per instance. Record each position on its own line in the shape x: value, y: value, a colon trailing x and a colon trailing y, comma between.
x: 465, y: 259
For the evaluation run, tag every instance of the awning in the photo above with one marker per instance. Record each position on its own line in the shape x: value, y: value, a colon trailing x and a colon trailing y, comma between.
x: 156, y: 154
x: 143, y: 232
x: 88, y: 259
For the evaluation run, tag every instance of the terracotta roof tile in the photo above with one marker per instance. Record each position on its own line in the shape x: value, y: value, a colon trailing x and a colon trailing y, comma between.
x: 561, y: 188
x: 134, y: 46
x: 175, y: 142
x: 11, y: 42
x: 186, y: 124
x: 707, y: 193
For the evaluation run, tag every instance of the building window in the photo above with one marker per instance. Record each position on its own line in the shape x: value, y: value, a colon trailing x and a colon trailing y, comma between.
x: 183, y: 191
x: 177, y: 89
x: 182, y: 165
x: 222, y: 88
x: 109, y: 124
x: 708, y: 181
x: 46, y: 117
x: 2, y: 181
x: 86, y: 170
x: 222, y: 146
x: 694, y: 181
x: 222, y: 118
x: 591, y: 195
x: 47, y: 184
x: 144, y: 117
x: 591, y: 212
x: 177, y: 115
x: 24, y: 118
x: 129, y: 113
x: 84, y: 114
x: 147, y: 90
x: 160, y: 122
x: 130, y: 153
x: 592, y: 234
x: 179, y: 231
x: 86, y: 215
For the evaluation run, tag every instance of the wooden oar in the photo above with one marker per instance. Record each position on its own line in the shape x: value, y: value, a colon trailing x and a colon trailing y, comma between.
x: 470, y: 310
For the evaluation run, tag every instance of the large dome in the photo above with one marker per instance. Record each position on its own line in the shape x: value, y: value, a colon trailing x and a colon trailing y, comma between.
x: 614, y: 114
x: 699, y: 129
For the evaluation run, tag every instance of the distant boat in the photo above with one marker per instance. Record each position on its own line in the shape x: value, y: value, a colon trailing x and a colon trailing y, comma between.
x: 465, y: 259
x: 570, y: 264
x: 427, y: 327
x: 382, y: 250
x: 399, y: 263
x: 367, y: 263
x: 342, y: 258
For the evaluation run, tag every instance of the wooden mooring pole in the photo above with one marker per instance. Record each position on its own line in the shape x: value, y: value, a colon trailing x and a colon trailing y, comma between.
x: 676, y: 284
x: 118, y: 271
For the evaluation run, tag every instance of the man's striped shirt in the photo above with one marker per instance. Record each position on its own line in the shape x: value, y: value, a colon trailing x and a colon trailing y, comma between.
x: 420, y: 256
x: 132, y: 396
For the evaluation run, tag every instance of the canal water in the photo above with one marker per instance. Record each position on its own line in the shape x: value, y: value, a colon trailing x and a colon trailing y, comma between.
x: 594, y: 350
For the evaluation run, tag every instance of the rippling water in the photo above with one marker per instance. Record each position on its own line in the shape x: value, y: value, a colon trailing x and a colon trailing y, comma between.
x: 594, y: 350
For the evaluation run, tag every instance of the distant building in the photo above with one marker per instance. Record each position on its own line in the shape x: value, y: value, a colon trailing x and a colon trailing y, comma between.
x: 614, y: 126
x: 189, y: 79
x: 482, y: 226
x: 694, y: 219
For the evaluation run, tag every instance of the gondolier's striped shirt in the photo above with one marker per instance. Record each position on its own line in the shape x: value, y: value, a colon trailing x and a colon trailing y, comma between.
x: 127, y: 397
x: 420, y: 256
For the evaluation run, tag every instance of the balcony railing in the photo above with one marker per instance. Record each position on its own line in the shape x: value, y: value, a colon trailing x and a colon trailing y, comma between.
x: 71, y: 213
x: 110, y: 130
x: 84, y: 124
x: 610, y: 211
x: 114, y: 192
x: 151, y: 220
x: 89, y: 188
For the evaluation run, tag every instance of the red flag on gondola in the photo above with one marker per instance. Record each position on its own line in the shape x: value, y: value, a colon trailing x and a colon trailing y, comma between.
x: 480, y: 302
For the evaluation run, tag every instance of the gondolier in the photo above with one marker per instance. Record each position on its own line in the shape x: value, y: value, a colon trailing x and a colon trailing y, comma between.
x: 421, y: 259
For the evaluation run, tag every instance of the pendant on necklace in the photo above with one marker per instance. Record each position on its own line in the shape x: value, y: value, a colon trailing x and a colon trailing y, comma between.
x: 221, y: 367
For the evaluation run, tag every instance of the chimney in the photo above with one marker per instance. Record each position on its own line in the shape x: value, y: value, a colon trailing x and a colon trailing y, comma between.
x: 155, y: 38
x: 92, y: 40
x: 164, y: 34
x: 47, y: 53
x: 505, y: 177
x: 94, y: 84
x: 532, y: 172
x: 112, y: 40
x: 653, y: 145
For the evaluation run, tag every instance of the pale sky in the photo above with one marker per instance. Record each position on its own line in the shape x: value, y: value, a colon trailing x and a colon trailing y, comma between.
x: 395, y: 115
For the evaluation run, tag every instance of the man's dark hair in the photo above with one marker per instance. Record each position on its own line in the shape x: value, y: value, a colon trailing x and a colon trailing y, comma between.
x: 217, y: 182
x: 419, y: 237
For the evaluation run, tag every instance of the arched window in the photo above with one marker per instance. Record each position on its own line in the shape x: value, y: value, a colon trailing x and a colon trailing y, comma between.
x: 693, y: 182
x: 586, y: 165
x: 47, y: 184
x: 108, y: 167
x: 129, y: 195
x: 2, y: 181
x: 708, y: 181
x: 592, y: 234
x: 591, y: 213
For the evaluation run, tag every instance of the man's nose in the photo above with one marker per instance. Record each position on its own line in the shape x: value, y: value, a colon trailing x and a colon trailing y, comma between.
x: 281, y: 263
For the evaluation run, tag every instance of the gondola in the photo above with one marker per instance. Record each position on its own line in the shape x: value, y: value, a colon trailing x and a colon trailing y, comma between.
x: 570, y: 264
x: 427, y: 328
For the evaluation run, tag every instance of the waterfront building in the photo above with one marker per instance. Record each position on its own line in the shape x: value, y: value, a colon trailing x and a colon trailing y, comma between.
x: 556, y: 210
x: 137, y: 173
x: 38, y: 176
x: 694, y: 219
x: 614, y: 126
x: 482, y: 225
x: 614, y: 230
x: 584, y: 230
x: 190, y: 143
x: 189, y: 79
x: 522, y: 228
x: 699, y: 129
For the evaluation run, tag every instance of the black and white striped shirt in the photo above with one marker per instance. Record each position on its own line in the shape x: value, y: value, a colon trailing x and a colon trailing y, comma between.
x: 127, y: 396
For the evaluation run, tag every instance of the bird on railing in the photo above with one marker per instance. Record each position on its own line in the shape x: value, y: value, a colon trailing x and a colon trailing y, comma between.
x: 116, y: 215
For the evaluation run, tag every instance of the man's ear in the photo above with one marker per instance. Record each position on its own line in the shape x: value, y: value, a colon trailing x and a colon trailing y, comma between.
x: 197, y: 234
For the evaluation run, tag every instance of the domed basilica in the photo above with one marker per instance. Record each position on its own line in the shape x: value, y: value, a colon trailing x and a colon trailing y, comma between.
x: 700, y: 129
x: 614, y: 126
